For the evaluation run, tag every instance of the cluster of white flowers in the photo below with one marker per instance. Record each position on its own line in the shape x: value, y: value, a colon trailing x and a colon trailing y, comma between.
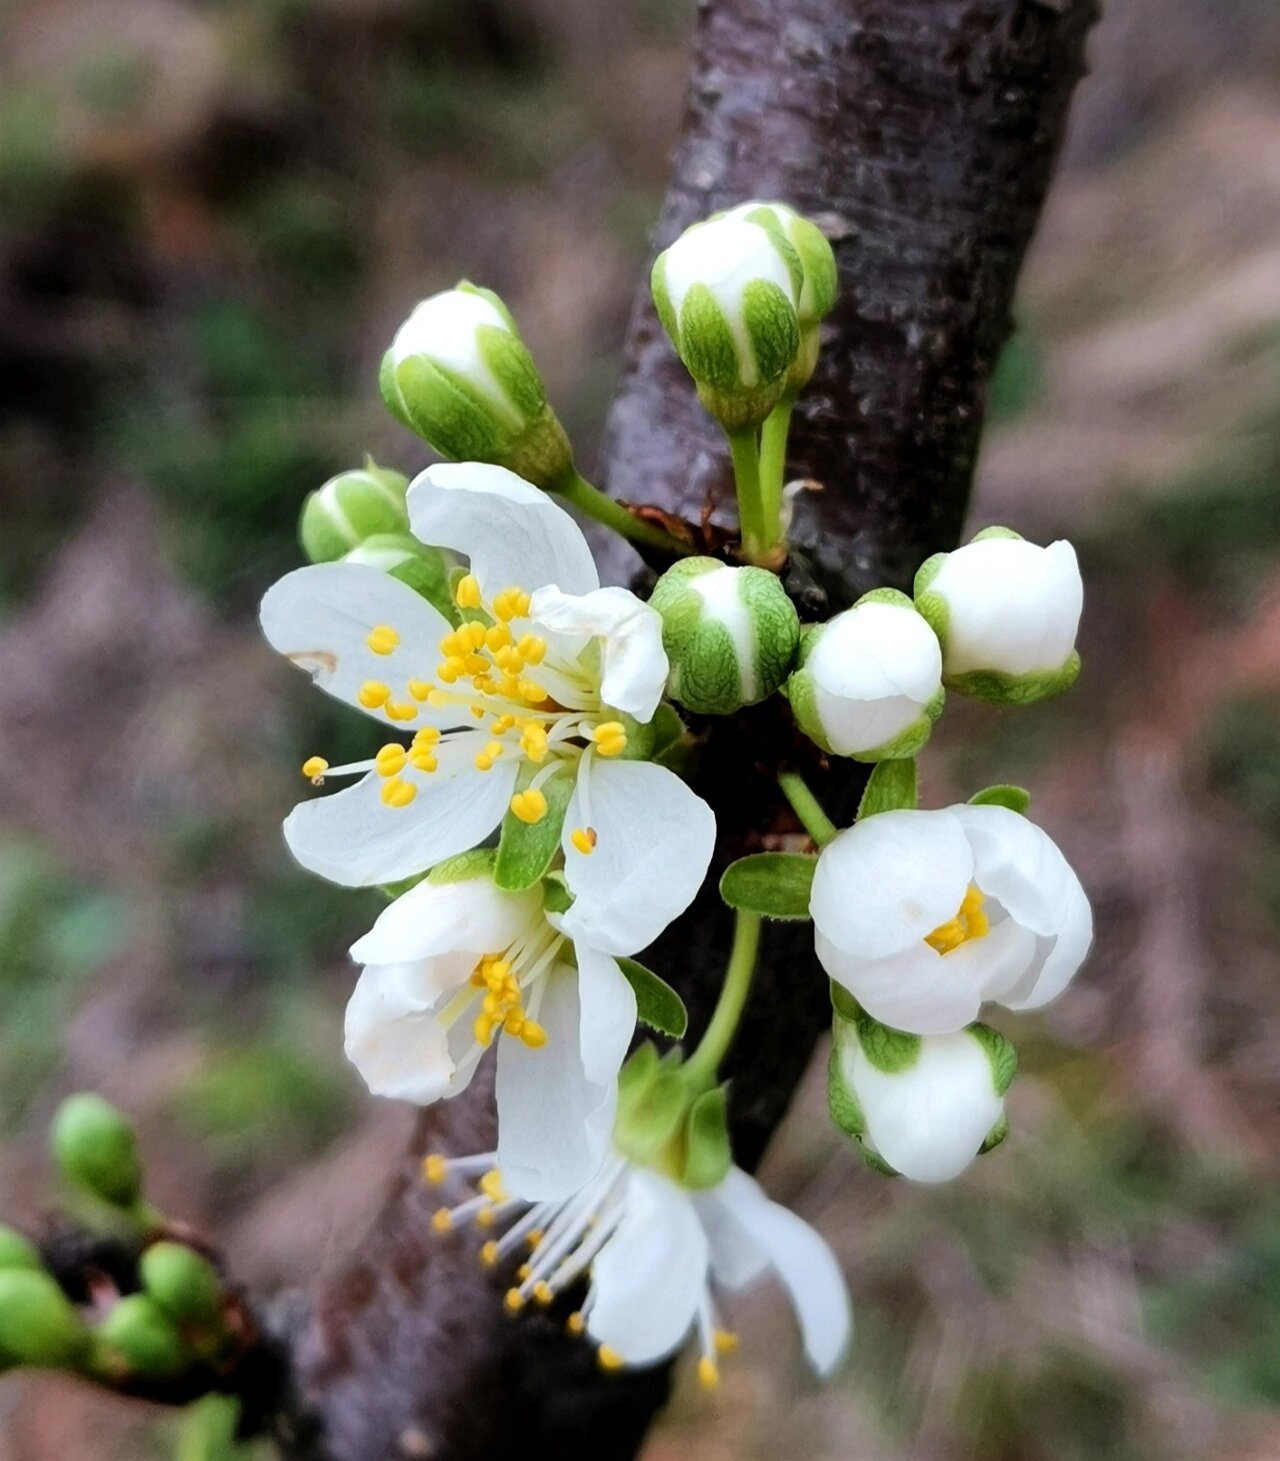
x: 523, y: 814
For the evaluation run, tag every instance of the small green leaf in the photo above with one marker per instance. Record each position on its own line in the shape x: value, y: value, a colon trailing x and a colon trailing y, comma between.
x: 708, y: 1156
x: 525, y: 849
x: 891, y: 787
x: 772, y: 884
x: 1016, y: 798
x: 657, y: 1004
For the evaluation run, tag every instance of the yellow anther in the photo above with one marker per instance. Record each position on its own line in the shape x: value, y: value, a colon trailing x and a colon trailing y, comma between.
x: 501, y: 724
x: 489, y: 1253
x: 429, y: 735
x: 533, y: 1035
x: 420, y: 689
x: 402, y: 710
x: 442, y: 1220
x: 382, y: 639
x: 497, y: 637
x: 970, y: 922
x: 485, y: 1218
x: 508, y: 658
x: 533, y: 741
x: 533, y: 648
x: 491, y: 1185
x: 483, y: 1029
x: 584, y: 839
x: 423, y: 761
x: 483, y: 761
x: 523, y: 1272
x: 467, y: 593
x: 530, y: 806
x: 452, y: 669
x: 576, y: 1323
x: 535, y: 1237
x: 708, y: 1372
x: 608, y: 1358
x: 390, y: 760
x: 397, y: 793
x: 314, y: 767
x: 373, y: 693
x: 725, y: 1340
x: 435, y: 1169
x: 437, y: 697
x: 514, y: 1023
x: 610, y: 737
x: 514, y: 1301
x: 476, y: 664
x: 542, y: 1293
x: 531, y: 691
x: 474, y: 632
x: 478, y: 711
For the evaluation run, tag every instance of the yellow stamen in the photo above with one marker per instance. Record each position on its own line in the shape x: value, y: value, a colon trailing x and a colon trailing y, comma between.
x: 535, y: 1237
x: 397, y: 793
x: 485, y: 1218
x: 970, y: 922
x: 514, y: 1301
x: 419, y: 689
x: 610, y: 737
x: 491, y: 1185
x: 314, y: 767
x: 532, y: 648
x: 423, y: 761
x: 467, y: 593
x: 584, y: 839
x: 373, y: 693
x: 434, y: 1169
x: 708, y: 1373
x: 530, y: 806
x: 429, y: 735
x: 382, y: 639
x: 576, y: 1323
x: 497, y: 637
x: 542, y: 1293
x: 609, y: 1359
x: 725, y: 1340
x: 483, y: 1029
x: 442, y: 1220
x: 533, y: 1035
x: 406, y: 710
x: 390, y: 760
x: 489, y: 1253
x: 523, y: 1272
x: 531, y: 691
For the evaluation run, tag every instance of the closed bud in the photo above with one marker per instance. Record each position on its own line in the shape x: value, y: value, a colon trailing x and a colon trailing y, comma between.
x: 726, y: 292
x: 38, y: 1323
x: 1006, y: 612
x: 730, y: 634
x: 459, y: 375
x: 923, y: 1106
x: 351, y: 507
x: 95, y: 1148
x: 184, y: 1284
x: 869, y: 684
x: 141, y: 1337
x: 17, y: 1251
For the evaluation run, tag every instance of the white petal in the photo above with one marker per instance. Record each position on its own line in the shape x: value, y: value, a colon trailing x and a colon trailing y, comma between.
x: 654, y: 844
x: 1019, y: 864
x: 876, y: 650
x: 394, y: 1040
x: 320, y: 618
x: 512, y: 533
x: 854, y: 726
x: 553, y: 1122
x: 929, y: 1120
x: 1064, y: 957
x: 916, y: 989
x: 352, y: 837
x: 884, y: 883
x: 608, y: 1014
x: 649, y: 1278
x: 473, y: 917
x: 805, y: 1265
x: 633, y: 662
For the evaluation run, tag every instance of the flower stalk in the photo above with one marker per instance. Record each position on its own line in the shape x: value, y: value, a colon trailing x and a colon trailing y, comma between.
x: 589, y: 499
x: 702, y: 1065
x: 805, y: 805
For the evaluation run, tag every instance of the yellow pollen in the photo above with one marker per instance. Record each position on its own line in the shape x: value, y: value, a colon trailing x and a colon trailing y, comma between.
x: 423, y: 761
x: 442, y: 1220
x: 609, y: 1359
x: 373, y: 693
x: 514, y: 1301
x: 483, y: 1029
x: 474, y: 633
x: 419, y: 689
x: 610, y: 737
x: 523, y: 1272
x: 708, y: 1373
x: 576, y: 1323
x: 397, y: 793
x: 497, y: 637
x: 489, y: 1253
x: 532, y: 648
x: 531, y: 691
x: 542, y: 1292
x: 533, y: 1035
x: 434, y: 1169
x: 485, y: 1218
x: 382, y: 639
x: 491, y: 1185
x: 970, y: 922
x: 726, y: 1341
x: 535, y: 1237
x: 405, y: 710
x: 530, y: 806
x: 584, y: 839
x: 390, y: 760
x: 467, y: 593
x: 429, y: 735
x: 314, y: 767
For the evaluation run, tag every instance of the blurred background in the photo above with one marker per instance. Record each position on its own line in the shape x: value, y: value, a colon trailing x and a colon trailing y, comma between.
x: 212, y: 217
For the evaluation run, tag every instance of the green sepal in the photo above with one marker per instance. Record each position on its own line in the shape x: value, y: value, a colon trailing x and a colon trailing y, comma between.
x: 653, y: 1097
x: 1001, y: 689
x: 513, y: 368
x: 401, y: 556
x: 707, y: 1151
x: 182, y: 1282
x: 462, y: 868
x: 875, y: 1161
x: 143, y: 1339
x: 445, y: 409
x: 995, y: 1136
x: 893, y: 786
x: 1002, y: 1054
x: 38, y: 1323
x: 769, y: 319
x: 887, y: 1049
x: 526, y: 850
x: 844, y: 1003
x: 96, y: 1150
x: 668, y: 728
x: 933, y: 609
x: 706, y: 342
x: 1016, y: 798
x: 556, y: 897
x: 925, y: 574
x: 842, y: 1103
x: 640, y: 735
x: 772, y: 884
x: 657, y: 1004
x: 392, y: 891
x: 995, y: 532
x: 18, y: 1251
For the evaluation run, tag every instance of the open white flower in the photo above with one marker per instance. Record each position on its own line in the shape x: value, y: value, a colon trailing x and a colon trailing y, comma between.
x: 869, y: 684
x: 453, y: 967
x: 924, y: 915
x: 1007, y: 612
x: 655, y: 1252
x: 549, y: 675
x: 923, y: 1105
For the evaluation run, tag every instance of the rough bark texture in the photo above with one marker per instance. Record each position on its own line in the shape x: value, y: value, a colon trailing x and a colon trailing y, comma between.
x: 922, y: 134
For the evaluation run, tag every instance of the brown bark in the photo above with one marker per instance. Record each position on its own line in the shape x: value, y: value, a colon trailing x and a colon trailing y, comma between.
x: 922, y: 134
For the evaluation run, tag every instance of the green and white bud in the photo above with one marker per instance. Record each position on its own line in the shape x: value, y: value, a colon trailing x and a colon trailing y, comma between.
x: 18, y: 1251
x: 726, y: 292
x: 820, y: 279
x: 1006, y: 612
x: 38, y: 1323
x: 140, y: 1338
x: 730, y: 634
x: 869, y: 682
x: 459, y: 375
x: 350, y: 508
x: 95, y: 1148
x: 923, y: 1106
x: 402, y: 556
x: 184, y: 1284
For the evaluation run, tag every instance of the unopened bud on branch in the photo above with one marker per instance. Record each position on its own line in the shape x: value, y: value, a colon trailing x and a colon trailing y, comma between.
x: 351, y: 507
x: 95, y: 1148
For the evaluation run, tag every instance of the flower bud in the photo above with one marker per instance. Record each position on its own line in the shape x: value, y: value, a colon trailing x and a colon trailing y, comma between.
x: 726, y: 293
x: 920, y: 1105
x: 351, y: 507
x: 1006, y: 612
x: 143, y: 1338
x: 459, y: 375
x: 820, y: 281
x: 18, y: 1251
x: 95, y: 1148
x: 184, y: 1284
x: 869, y: 683
x: 38, y: 1323
x: 730, y: 634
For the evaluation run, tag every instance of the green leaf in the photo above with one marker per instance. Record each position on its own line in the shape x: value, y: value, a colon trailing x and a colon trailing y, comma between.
x: 708, y: 1156
x: 772, y: 884
x: 1016, y: 798
x: 657, y: 1004
x: 891, y: 787
x: 526, y: 850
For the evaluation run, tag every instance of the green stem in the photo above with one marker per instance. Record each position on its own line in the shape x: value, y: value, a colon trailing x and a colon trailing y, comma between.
x: 746, y: 476
x: 773, y: 460
x: 590, y: 500
x: 816, y: 823
x: 702, y: 1065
